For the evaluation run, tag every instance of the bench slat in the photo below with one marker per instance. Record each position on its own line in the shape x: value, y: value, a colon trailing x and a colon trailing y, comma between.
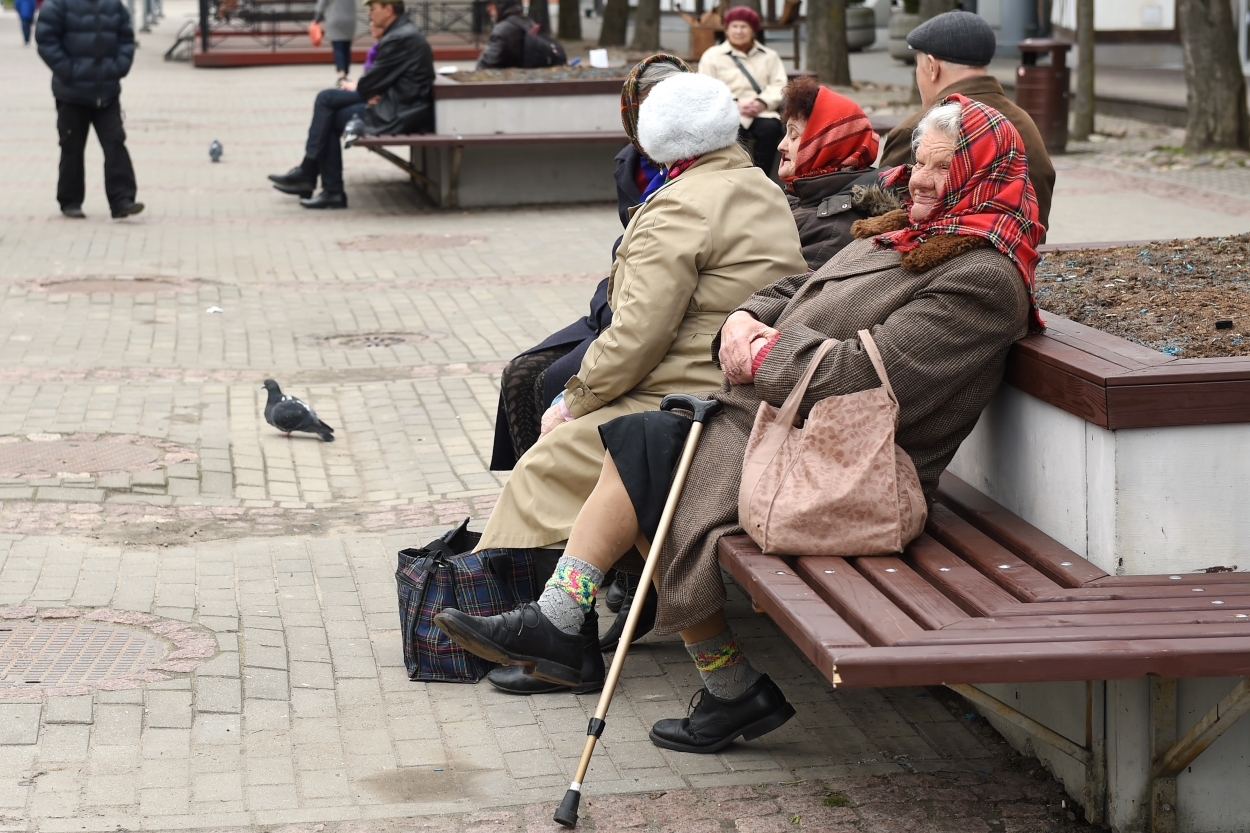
x: 993, y: 636
x: 1150, y: 591
x: 1184, y: 579
x: 962, y: 583
x: 856, y: 600
x: 1034, y: 546
x: 1038, y: 662
x: 998, y: 563
x: 908, y: 589
x: 1214, y: 615
x: 1127, y: 606
x: 488, y: 139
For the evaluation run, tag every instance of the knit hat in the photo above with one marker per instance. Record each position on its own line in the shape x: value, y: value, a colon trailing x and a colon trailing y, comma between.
x: 686, y: 116
x: 959, y: 37
x: 744, y: 13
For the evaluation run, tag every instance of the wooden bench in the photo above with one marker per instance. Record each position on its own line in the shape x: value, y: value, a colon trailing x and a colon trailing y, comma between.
x: 983, y: 597
x: 432, y: 184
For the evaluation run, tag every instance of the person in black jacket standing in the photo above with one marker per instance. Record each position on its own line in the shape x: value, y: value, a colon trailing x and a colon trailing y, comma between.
x: 395, y: 96
x: 89, y: 45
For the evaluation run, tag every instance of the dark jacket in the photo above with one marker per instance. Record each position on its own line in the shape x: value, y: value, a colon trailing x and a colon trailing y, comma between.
x: 987, y: 90
x: 403, y: 74
x: 506, y: 47
x: 89, y: 45
x: 825, y: 206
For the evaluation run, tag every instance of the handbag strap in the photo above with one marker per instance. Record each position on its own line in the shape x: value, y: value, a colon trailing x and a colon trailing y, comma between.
x: 870, y: 347
x: 755, y: 84
x: 790, y: 408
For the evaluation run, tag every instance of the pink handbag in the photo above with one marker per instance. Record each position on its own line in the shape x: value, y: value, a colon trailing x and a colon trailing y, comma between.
x: 838, y: 484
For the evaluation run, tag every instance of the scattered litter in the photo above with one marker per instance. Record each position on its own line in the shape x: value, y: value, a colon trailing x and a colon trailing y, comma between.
x: 214, y: 310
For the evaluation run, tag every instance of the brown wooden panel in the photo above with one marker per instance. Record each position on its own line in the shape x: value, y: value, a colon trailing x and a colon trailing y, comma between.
x: 1217, y: 615
x: 960, y: 582
x: 992, y: 559
x: 1204, y: 602
x: 1151, y: 591
x: 501, y: 139
x: 1182, y: 403
x: 1022, y: 662
x: 1058, y: 385
x: 1027, y: 541
x: 800, y: 613
x: 1105, y: 346
x: 906, y: 588
x: 515, y: 89
x: 1222, y: 369
x: 994, y: 636
x: 1186, y: 579
x: 853, y: 597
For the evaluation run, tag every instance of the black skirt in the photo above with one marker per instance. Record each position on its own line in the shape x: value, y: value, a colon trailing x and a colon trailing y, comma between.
x: 646, y: 448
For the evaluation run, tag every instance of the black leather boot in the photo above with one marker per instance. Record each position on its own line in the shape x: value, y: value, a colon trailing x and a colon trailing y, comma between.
x: 513, y: 680
x: 326, y: 199
x: 295, y: 181
x: 713, y: 724
x: 523, y: 636
x: 646, y: 620
x: 622, y: 586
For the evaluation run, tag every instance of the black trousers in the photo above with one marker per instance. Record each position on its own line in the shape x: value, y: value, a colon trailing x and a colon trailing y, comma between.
x: 323, y: 155
x: 767, y: 134
x: 72, y: 123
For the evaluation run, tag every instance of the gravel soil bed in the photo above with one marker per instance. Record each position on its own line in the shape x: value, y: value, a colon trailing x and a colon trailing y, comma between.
x: 1187, y: 298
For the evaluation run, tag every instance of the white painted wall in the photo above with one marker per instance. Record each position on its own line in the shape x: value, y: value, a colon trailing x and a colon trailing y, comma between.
x: 528, y: 114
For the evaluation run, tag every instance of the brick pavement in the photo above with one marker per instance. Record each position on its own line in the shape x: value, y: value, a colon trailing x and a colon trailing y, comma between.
x: 281, y: 551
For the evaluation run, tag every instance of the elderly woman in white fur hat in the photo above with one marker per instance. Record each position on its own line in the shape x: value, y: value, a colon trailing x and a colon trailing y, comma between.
x: 714, y: 233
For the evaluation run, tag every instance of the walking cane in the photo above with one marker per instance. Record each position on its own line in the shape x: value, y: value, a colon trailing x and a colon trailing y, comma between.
x: 566, y: 813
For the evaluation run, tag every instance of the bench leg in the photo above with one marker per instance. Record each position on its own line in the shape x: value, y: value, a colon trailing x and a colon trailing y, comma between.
x: 1162, y: 738
x: 406, y: 167
x: 453, y: 196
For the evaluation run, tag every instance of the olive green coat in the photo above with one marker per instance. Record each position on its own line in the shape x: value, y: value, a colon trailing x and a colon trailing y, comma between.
x: 692, y: 253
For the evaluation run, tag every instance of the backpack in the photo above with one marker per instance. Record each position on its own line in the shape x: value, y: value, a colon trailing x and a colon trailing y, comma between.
x: 541, y: 50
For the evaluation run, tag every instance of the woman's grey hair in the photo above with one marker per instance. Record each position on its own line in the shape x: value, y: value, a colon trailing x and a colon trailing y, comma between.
x: 943, y: 117
x: 654, y: 74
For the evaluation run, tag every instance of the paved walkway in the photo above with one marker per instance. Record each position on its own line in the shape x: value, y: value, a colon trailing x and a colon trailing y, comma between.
x: 145, y: 504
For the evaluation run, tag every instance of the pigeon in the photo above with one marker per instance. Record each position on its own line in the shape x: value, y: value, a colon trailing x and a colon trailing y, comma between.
x: 286, y: 413
x: 215, y: 150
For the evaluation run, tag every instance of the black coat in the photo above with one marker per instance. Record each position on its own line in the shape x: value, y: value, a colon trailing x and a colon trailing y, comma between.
x: 506, y: 47
x: 824, y: 210
x: 89, y: 45
x: 403, y: 74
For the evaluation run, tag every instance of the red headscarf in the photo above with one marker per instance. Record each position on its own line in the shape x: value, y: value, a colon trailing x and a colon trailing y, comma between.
x: 838, y: 137
x: 988, y: 194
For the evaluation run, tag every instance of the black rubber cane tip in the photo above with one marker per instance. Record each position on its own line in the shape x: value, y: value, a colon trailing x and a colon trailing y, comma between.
x: 566, y: 813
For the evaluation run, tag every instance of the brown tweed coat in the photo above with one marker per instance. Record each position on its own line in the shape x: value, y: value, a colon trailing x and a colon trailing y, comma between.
x: 943, y: 326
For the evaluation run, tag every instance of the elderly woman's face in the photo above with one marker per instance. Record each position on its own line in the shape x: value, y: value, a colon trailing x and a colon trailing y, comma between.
x: 928, y: 176
x: 740, y: 35
x: 789, y: 146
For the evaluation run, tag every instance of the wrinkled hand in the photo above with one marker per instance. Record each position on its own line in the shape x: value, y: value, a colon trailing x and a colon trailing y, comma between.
x: 350, y: 86
x: 741, y: 338
x: 552, y: 419
x: 751, y: 109
x: 375, y: 99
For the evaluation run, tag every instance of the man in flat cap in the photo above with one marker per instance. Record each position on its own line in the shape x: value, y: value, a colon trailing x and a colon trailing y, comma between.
x: 952, y: 53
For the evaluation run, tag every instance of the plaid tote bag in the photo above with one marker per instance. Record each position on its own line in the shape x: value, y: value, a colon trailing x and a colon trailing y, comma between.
x: 442, y: 574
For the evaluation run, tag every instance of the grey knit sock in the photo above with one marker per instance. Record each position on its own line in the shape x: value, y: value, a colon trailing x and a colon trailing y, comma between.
x: 570, y: 593
x: 725, y: 670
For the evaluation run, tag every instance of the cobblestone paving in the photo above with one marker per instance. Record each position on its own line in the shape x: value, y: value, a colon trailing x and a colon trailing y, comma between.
x: 393, y: 321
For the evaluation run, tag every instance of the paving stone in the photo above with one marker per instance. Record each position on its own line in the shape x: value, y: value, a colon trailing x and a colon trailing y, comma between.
x: 218, y: 694
x: 118, y: 724
x: 19, y: 723
x: 78, y: 709
x: 168, y: 709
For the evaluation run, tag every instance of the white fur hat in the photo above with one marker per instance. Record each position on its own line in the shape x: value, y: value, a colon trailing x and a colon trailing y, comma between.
x: 687, y: 115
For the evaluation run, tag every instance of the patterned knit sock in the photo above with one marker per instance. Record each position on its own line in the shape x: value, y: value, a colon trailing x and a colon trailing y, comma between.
x: 570, y: 593
x: 725, y: 670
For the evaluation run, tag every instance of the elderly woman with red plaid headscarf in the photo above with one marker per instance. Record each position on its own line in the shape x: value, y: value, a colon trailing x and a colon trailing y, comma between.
x: 944, y: 286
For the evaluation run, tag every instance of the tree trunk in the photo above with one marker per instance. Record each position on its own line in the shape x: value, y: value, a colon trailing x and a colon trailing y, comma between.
x: 1216, y: 89
x: 615, y: 23
x: 1083, y: 124
x: 540, y: 14
x: 827, y: 54
x: 646, y: 27
x: 570, y: 20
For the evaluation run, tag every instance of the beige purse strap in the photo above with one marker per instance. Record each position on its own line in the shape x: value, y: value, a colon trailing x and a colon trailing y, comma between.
x: 790, y: 408
x: 870, y: 347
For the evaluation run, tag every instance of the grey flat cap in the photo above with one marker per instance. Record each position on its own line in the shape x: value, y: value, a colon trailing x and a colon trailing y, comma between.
x: 958, y: 37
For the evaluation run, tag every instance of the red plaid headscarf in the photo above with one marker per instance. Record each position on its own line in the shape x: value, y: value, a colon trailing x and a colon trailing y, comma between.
x: 988, y: 194
x: 838, y: 137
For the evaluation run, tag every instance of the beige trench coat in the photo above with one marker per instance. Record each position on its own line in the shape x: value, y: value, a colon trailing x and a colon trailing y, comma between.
x: 692, y: 253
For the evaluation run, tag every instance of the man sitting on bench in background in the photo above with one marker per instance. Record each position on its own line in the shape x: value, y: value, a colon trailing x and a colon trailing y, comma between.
x: 395, y: 96
x: 508, y: 45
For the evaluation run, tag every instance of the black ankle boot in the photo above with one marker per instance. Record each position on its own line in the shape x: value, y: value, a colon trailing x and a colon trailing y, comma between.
x: 620, y: 589
x: 523, y: 636
x: 295, y: 181
x: 646, y: 620
x: 514, y: 680
x: 326, y: 199
x: 713, y: 723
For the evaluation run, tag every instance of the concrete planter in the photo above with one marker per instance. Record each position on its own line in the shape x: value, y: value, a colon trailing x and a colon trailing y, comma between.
x: 901, y: 25
x: 861, y: 28
x: 1137, y: 461
x: 569, y: 106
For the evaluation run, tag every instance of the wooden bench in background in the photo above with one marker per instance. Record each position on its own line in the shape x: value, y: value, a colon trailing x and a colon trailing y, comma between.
x: 983, y: 597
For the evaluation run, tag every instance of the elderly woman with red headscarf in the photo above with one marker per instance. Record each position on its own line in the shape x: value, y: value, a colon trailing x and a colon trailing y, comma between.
x: 826, y: 164
x: 943, y: 285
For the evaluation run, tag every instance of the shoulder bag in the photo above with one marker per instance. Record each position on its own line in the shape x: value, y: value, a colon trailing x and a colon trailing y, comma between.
x: 836, y: 485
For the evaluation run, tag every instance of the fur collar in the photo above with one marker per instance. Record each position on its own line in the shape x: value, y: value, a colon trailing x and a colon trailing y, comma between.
x: 931, y: 253
x: 685, y: 116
